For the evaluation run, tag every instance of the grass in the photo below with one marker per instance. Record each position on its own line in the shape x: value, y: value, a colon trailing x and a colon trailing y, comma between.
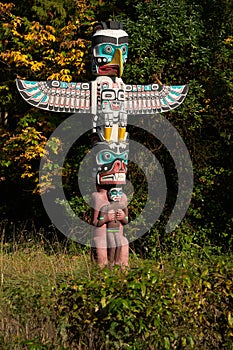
x: 30, y: 268
x: 45, y: 288
x: 27, y: 274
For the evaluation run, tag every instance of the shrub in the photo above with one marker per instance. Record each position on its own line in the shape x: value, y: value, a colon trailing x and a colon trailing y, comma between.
x: 148, y: 308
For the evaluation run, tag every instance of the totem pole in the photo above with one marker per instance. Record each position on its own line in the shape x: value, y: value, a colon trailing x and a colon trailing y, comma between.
x: 109, y: 100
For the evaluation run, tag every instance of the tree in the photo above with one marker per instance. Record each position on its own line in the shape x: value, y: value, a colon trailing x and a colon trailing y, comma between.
x: 191, y: 42
x: 175, y: 42
x: 47, y: 40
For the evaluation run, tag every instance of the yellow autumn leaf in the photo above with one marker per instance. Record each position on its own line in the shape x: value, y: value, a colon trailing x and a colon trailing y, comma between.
x: 36, y: 26
x: 6, y: 8
x: 54, y: 76
x: 66, y: 77
x: 36, y: 66
x: 14, y: 31
x: 29, y: 37
x: 50, y: 28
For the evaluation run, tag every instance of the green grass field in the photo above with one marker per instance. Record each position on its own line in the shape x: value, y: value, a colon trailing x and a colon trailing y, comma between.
x: 60, y: 300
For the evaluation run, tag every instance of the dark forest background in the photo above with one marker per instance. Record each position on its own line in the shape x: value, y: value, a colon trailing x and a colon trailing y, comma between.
x: 177, y: 42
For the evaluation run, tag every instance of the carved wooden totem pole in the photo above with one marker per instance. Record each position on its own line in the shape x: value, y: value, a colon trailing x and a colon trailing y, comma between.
x: 109, y: 100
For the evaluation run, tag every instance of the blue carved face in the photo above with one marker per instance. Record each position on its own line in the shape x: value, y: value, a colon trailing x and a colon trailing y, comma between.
x: 110, y: 164
x: 115, y: 194
x: 110, y: 51
x: 107, y: 156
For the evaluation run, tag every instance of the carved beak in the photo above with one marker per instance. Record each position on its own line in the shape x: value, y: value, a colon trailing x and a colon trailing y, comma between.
x: 117, y: 60
x: 113, y: 68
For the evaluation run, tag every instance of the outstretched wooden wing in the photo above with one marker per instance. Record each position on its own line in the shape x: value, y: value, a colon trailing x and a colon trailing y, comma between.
x: 153, y: 98
x: 72, y: 97
x: 56, y: 95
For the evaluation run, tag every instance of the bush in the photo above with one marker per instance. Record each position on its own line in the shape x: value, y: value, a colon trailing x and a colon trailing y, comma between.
x: 148, y: 308
x: 61, y: 301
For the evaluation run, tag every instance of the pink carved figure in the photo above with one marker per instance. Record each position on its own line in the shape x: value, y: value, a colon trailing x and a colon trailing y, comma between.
x: 110, y: 214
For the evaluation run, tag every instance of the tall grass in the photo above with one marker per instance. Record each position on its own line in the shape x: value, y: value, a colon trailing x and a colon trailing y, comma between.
x: 53, y: 297
x: 30, y: 268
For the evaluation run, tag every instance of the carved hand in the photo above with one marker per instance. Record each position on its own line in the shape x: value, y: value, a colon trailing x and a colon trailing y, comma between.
x: 120, y: 215
x: 111, y: 215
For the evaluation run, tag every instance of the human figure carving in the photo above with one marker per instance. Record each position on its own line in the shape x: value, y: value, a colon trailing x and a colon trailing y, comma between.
x: 110, y: 214
x: 114, y: 215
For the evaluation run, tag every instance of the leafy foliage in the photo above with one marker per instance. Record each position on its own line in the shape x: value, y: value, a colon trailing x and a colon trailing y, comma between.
x: 62, y: 301
x: 149, y: 307
x: 175, y: 42
x: 183, y: 42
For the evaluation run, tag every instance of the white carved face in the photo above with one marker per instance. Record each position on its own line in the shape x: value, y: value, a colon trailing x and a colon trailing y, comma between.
x: 115, y: 194
x: 109, y: 52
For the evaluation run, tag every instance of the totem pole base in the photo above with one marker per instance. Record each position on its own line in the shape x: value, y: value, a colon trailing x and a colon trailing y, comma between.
x: 110, y: 214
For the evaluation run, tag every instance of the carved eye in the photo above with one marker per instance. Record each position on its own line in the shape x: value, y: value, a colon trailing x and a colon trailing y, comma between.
x: 124, y: 157
x: 108, y: 95
x: 106, y: 156
x: 121, y: 95
x: 108, y: 49
x: 124, y: 49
